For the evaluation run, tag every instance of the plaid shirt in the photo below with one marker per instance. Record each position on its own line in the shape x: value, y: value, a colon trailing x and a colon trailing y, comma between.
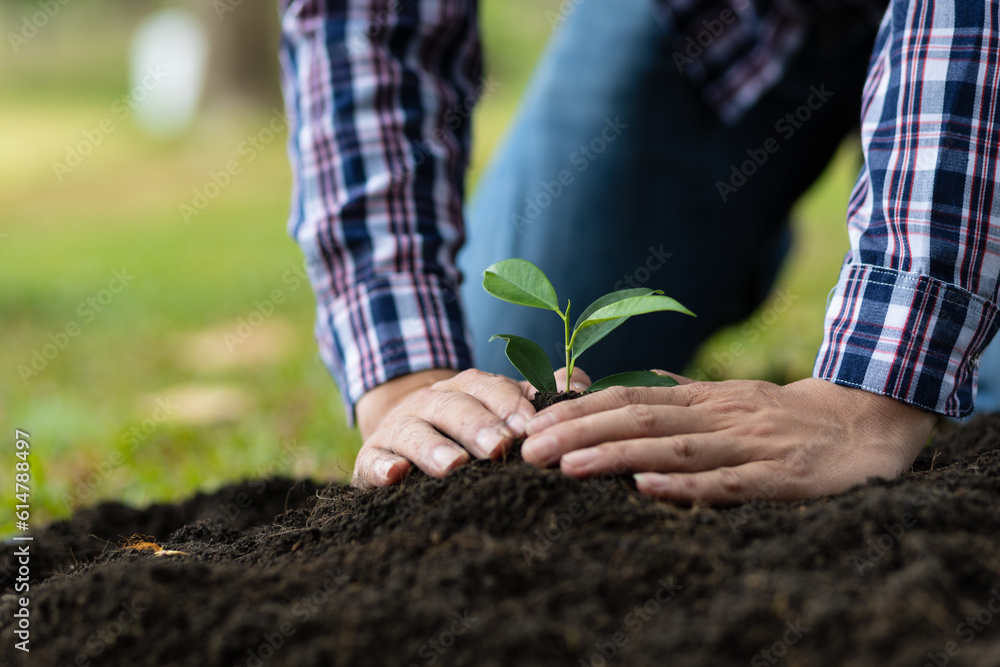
x: 378, y: 92
x: 735, y: 51
x: 916, y: 301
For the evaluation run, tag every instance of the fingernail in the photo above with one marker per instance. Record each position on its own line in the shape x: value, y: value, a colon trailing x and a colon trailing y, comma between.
x: 652, y: 481
x: 384, y: 468
x: 540, y: 422
x: 446, y: 457
x: 540, y: 449
x: 579, y: 387
x: 488, y: 440
x: 516, y: 423
x: 581, y: 458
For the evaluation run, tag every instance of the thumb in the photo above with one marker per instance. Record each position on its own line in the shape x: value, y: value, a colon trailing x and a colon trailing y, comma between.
x: 580, y: 379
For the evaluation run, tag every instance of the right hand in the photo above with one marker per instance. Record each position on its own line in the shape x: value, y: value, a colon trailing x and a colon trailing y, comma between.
x: 437, y: 419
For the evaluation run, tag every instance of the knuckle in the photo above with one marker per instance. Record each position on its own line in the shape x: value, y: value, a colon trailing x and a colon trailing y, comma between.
x: 763, y: 429
x: 684, y: 448
x: 642, y: 415
x: 423, y: 396
x: 761, y: 394
x: 698, y: 392
x: 686, y: 485
x: 497, y: 384
x: 442, y: 405
x: 396, y: 435
x: 621, y: 458
x: 731, y: 404
x: 730, y: 481
x: 624, y: 395
x: 468, y: 375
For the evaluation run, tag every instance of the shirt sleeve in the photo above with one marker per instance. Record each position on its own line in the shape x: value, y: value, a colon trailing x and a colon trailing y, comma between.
x: 379, y: 95
x: 916, y: 302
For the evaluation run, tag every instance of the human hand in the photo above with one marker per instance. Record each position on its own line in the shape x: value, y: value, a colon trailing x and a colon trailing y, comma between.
x: 437, y: 419
x: 725, y: 442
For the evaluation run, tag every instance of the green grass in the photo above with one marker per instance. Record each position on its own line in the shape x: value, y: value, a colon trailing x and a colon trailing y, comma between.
x: 165, y: 333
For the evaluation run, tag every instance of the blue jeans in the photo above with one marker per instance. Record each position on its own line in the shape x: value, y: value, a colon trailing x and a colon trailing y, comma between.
x: 609, y: 179
x: 988, y: 396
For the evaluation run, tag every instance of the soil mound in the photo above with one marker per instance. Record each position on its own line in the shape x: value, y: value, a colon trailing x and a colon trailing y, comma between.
x: 505, y: 564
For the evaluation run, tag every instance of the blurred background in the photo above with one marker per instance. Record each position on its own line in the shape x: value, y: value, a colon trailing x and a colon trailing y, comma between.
x: 155, y: 326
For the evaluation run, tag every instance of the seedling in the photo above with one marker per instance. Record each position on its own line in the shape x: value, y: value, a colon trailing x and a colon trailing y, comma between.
x: 521, y: 282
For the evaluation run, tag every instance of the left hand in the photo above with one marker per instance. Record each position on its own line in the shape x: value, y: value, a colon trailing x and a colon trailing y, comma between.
x: 726, y: 442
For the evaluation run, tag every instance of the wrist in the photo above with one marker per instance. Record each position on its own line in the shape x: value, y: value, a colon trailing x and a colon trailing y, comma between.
x: 895, y: 420
x: 376, y: 403
x: 889, y: 406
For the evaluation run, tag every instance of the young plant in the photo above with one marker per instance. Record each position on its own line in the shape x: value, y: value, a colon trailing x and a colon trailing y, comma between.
x: 521, y: 282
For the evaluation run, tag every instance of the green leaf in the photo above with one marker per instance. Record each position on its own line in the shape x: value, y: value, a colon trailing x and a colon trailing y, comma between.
x: 636, y: 305
x: 521, y: 282
x: 530, y: 359
x: 634, y: 379
x: 611, y: 298
x: 590, y: 335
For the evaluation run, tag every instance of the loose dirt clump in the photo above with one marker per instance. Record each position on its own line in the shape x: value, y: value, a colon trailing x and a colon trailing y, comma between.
x: 505, y: 564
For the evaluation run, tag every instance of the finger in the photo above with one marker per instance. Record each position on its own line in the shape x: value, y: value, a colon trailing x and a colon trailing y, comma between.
x: 419, y: 442
x: 722, y: 486
x: 686, y: 452
x: 466, y: 420
x: 376, y: 466
x: 611, y: 398
x: 503, y: 397
x: 527, y: 390
x: 625, y: 423
x: 580, y: 379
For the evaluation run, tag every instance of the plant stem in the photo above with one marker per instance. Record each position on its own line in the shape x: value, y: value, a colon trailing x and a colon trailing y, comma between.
x: 571, y: 359
x: 569, y: 346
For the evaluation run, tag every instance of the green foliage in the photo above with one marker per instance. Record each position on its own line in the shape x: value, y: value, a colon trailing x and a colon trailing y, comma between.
x: 529, y: 358
x: 595, y: 331
x: 634, y: 379
x: 520, y: 282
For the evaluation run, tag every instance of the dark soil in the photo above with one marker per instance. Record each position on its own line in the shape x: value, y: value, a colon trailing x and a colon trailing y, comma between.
x: 544, y: 399
x: 505, y: 564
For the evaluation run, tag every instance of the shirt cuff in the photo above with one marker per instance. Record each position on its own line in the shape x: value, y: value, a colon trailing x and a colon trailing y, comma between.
x: 390, y: 326
x: 906, y: 335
